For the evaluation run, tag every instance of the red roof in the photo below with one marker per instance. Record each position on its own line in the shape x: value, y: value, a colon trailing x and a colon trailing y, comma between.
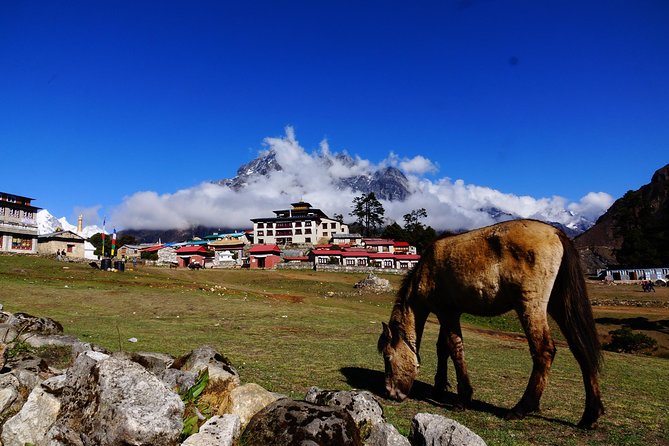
x: 152, y: 248
x: 295, y: 258
x: 326, y: 252
x: 191, y: 249
x: 402, y: 244
x: 264, y: 248
x: 378, y: 242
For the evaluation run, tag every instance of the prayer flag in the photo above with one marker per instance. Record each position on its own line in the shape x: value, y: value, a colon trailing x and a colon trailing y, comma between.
x: 113, y: 243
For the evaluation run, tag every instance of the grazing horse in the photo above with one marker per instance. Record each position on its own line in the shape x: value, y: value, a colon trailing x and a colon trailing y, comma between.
x: 522, y: 265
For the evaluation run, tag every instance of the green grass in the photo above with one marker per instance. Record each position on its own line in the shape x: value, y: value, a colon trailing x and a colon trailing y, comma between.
x: 288, y: 331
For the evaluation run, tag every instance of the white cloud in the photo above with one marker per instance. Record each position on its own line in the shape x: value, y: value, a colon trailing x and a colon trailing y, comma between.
x: 418, y: 165
x: 313, y: 176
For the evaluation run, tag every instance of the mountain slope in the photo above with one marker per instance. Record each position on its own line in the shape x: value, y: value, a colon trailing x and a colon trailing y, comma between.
x: 634, y: 231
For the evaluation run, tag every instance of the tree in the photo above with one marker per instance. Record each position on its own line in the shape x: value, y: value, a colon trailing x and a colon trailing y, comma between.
x: 369, y: 212
x: 412, y: 219
x: 339, y: 218
x: 395, y: 232
x: 417, y: 234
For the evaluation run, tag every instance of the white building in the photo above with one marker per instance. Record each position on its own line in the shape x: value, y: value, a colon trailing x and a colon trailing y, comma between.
x: 302, y: 224
x: 18, y: 227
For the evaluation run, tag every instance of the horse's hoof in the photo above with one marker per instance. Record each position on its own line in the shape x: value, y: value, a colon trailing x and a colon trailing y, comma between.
x: 514, y: 415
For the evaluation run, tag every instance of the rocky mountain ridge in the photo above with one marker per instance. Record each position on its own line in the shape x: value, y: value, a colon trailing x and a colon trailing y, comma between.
x: 634, y: 231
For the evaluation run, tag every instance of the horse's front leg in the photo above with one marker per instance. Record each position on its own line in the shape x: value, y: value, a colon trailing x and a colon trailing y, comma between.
x: 452, y: 334
x: 441, y: 384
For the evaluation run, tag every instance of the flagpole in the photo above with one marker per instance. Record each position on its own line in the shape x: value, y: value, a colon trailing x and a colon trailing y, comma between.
x: 103, y: 236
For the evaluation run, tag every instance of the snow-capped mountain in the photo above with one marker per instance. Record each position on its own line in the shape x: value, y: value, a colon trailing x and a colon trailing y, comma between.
x: 47, y: 223
x: 390, y: 184
x: 387, y: 183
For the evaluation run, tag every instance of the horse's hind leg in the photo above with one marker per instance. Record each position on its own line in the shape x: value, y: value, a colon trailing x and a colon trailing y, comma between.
x: 543, y: 351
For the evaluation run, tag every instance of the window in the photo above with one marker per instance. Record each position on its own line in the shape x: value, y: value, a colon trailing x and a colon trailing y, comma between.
x: 261, y: 233
x: 22, y: 243
x: 362, y: 262
x: 307, y: 239
x: 270, y: 225
x: 70, y: 248
x: 325, y: 234
x: 298, y: 224
x: 270, y: 232
x: 333, y: 225
x: 388, y: 263
x: 284, y: 224
x: 350, y: 262
x: 307, y: 231
x: 261, y: 225
x: 261, y: 241
x: 322, y: 260
x: 307, y: 223
x: 298, y: 232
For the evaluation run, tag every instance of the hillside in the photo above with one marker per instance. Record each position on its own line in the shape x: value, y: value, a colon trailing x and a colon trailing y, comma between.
x: 634, y: 231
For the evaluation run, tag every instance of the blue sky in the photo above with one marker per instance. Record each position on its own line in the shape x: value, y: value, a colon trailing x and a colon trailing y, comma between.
x: 100, y: 100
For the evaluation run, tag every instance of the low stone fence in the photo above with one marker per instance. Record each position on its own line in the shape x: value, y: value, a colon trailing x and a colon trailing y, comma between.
x: 147, y: 398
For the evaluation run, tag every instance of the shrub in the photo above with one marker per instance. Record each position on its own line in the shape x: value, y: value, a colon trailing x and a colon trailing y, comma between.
x: 625, y: 340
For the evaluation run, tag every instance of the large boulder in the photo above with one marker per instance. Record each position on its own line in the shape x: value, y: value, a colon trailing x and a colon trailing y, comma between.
x: 385, y: 434
x: 433, y: 430
x: 247, y: 400
x: 39, y: 412
x: 110, y: 401
x: 297, y: 422
x: 361, y: 405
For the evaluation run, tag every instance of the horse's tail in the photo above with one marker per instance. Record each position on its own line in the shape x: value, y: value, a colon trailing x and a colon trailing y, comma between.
x: 570, y: 307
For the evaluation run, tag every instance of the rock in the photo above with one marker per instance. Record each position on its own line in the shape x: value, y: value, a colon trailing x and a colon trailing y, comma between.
x: 219, y: 366
x: 385, y: 434
x: 155, y: 363
x: 3, y: 354
x: 30, y: 371
x: 178, y: 380
x: 25, y: 323
x: 247, y: 400
x: 217, y: 431
x: 109, y: 401
x: 430, y: 429
x: 9, y: 391
x: 374, y: 283
x: 361, y: 405
x: 297, y: 422
x: 31, y: 424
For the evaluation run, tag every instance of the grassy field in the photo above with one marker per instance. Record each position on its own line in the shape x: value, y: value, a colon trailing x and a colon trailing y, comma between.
x: 288, y: 331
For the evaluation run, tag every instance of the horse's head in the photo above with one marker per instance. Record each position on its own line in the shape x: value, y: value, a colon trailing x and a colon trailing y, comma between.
x: 400, y: 358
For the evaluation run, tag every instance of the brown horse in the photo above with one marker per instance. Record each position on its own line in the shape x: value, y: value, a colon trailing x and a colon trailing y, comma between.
x: 521, y: 265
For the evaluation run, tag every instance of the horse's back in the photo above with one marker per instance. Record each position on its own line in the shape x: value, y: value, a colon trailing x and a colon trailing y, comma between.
x: 485, y: 271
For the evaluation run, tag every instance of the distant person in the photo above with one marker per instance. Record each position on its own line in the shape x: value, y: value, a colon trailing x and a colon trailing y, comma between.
x: 58, y: 255
x: 134, y: 262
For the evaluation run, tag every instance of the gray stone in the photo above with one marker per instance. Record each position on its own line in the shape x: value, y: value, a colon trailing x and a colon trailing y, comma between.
x: 32, y: 422
x: 434, y: 430
x: 217, y: 431
x: 249, y: 399
x: 178, y: 380
x: 25, y: 323
x: 107, y: 401
x: 9, y: 391
x: 362, y: 406
x: 374, y: 283
x: 385, y: 434
x: 203, y: 357
x: 155, y: 363
x: 297, y: 422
